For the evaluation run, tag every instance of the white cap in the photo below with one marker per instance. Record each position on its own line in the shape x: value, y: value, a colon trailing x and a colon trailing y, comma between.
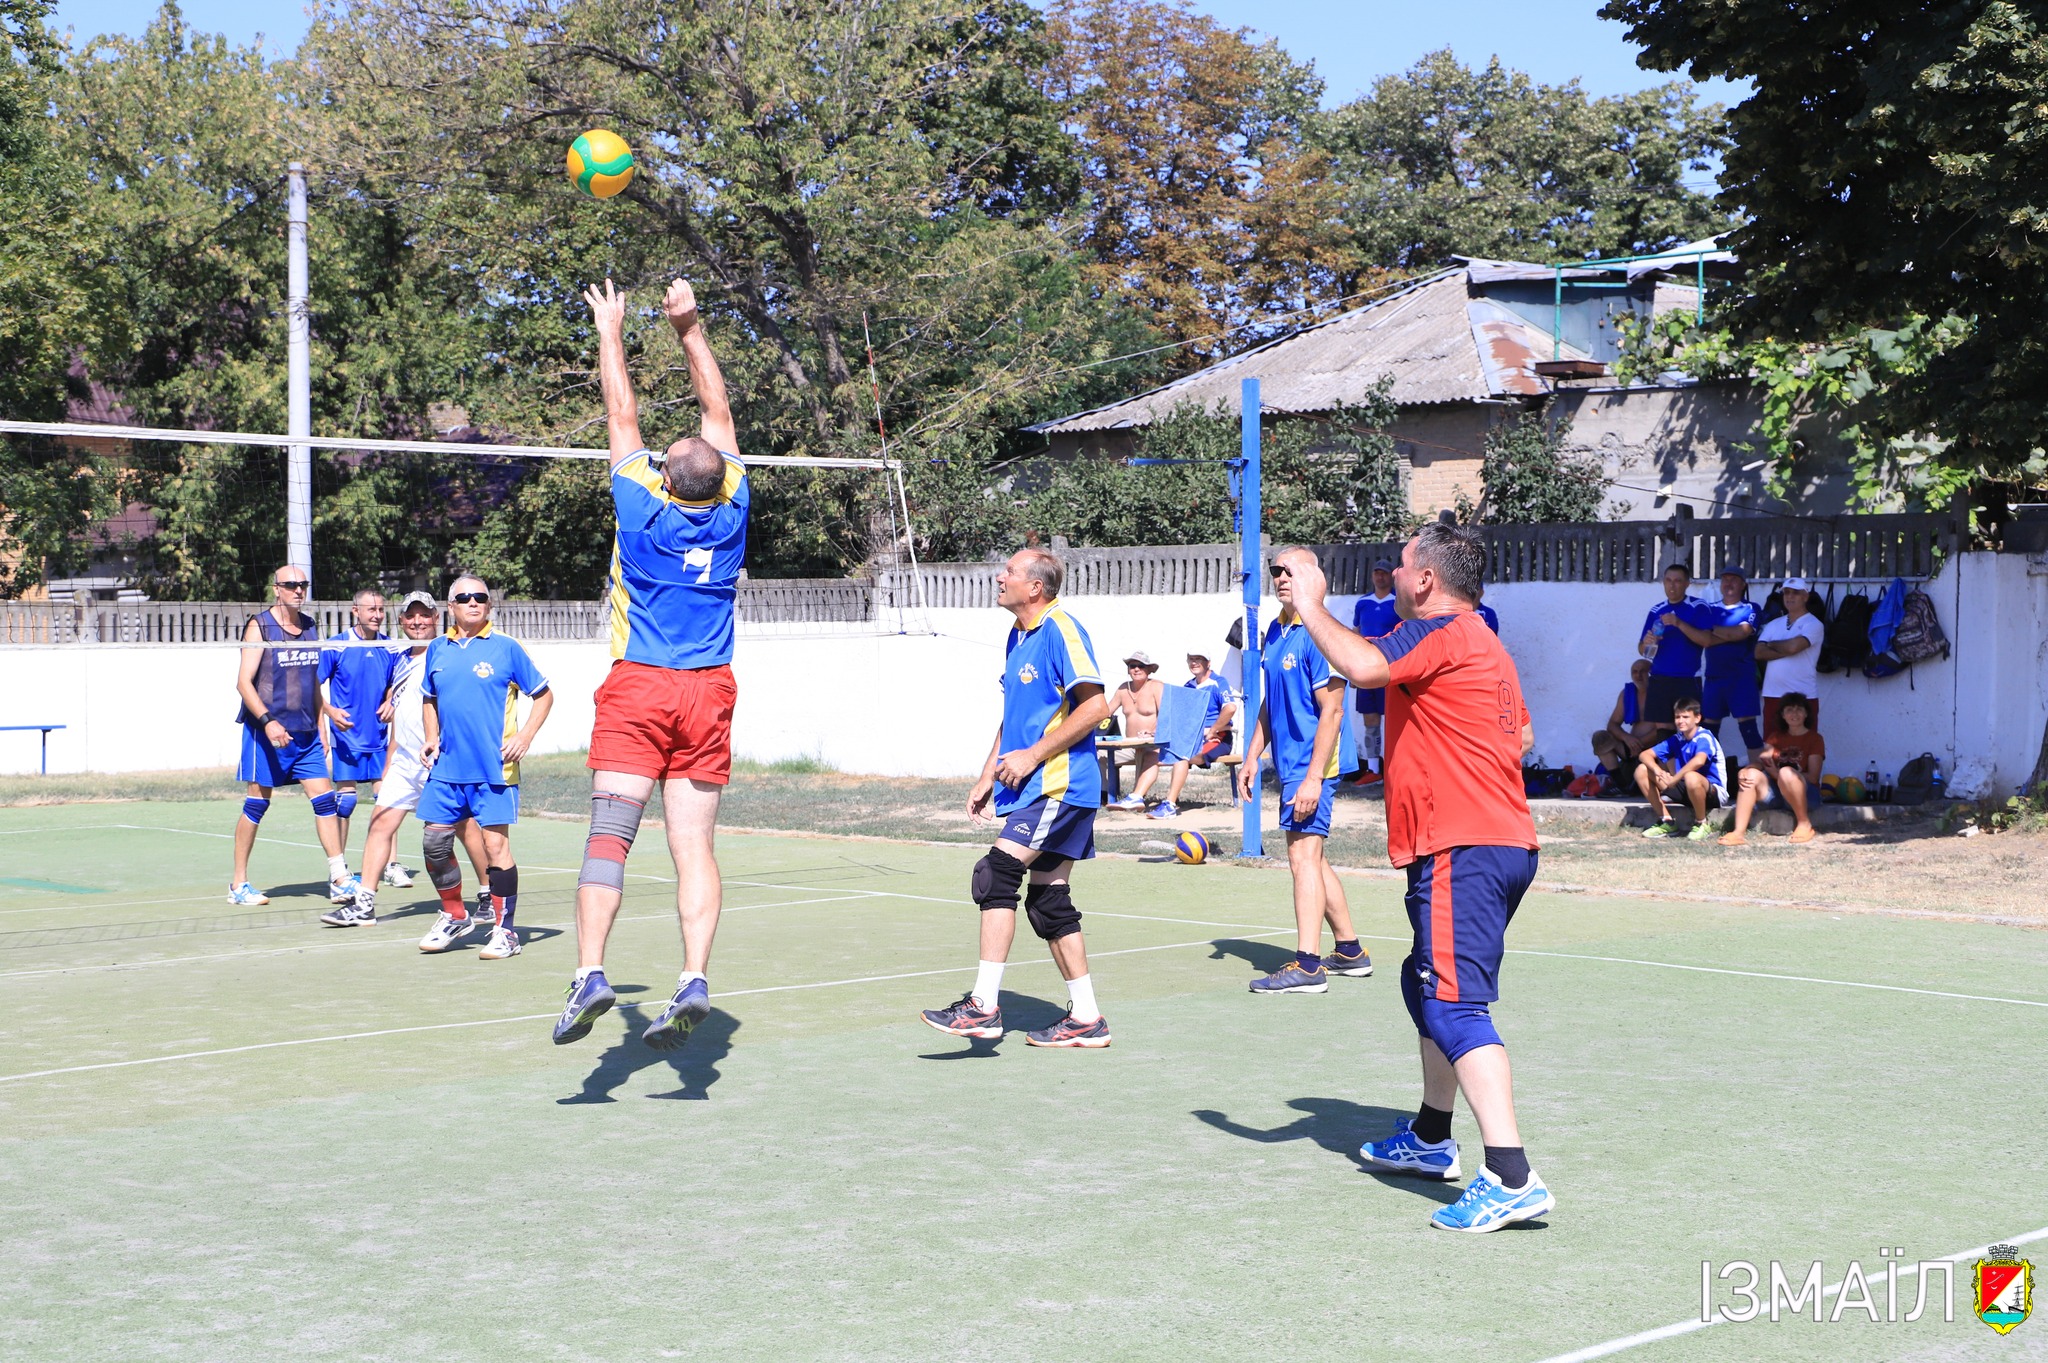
x: 1797, y: 584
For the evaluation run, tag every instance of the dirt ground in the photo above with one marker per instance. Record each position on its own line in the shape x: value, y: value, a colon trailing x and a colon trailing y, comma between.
x: 1907, y: 865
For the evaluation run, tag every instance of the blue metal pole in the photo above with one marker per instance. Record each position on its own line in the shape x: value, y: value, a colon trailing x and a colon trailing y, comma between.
x: 1251, y: 517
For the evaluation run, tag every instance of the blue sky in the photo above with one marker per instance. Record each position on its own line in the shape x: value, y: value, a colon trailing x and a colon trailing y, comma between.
x: 1352, y: 42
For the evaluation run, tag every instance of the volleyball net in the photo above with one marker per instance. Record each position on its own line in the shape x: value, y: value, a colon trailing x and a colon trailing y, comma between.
x: 114, y: 533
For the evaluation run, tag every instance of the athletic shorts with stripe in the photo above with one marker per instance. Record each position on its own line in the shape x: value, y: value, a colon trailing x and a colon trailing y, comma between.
x: 1057, y: 830
x: 1460, y: 902
x: 664, y: 722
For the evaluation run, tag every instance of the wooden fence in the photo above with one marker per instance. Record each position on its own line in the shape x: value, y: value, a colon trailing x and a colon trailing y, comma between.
x: 1839, y: 549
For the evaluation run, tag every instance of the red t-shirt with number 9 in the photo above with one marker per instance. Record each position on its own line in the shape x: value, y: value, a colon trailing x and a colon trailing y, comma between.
x: 1454, y: 739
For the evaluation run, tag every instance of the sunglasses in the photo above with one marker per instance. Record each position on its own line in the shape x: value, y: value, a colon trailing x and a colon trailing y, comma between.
x: 1278, y: 571
x: 466, y: 598
x: 293, y: 586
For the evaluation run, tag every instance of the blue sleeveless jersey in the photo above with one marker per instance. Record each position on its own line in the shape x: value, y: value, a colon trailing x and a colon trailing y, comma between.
x: 288, y: 679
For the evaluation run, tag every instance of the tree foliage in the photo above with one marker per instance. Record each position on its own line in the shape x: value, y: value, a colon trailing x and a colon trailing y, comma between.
x: 1528, y: 479
x: 1892, y: 165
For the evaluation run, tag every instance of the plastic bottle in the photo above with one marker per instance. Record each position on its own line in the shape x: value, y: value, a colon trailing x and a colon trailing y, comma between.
x: 1936, y: 783
x: 1885, y: 790
x: 1871, y: 788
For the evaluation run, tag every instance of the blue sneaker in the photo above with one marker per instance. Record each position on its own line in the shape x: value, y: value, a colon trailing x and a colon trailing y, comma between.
x: 588, y: 1002
x: 343, y: 891
x: 1404, y: 1153
x: 1165, y: 809
x: 1292, y: 979
x: 1488, y: 1206
x: 690, y: 1006
x: 1359, y: 966
x: 246, y: 894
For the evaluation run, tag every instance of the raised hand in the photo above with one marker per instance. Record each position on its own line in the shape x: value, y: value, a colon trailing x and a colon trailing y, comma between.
x: 679, y: 304
x: 607, y: 308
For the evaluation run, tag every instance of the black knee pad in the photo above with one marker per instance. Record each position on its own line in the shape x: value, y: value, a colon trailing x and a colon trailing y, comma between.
x: 1052, y: 912
x: 996, y: 879
x: 437, y: 844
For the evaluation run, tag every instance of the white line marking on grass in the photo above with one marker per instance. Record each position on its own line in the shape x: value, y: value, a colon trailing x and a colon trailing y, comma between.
x: 1686, y: 1327
x: 1792, y: 979
x: 119, y: 904
x: 535, y: 1017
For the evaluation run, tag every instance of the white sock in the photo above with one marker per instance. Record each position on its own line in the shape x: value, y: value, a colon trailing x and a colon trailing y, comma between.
x: 337, y: 868
x: 689, y: 975
x: 1081, y: 999
x: 584, y: 971
x: 988, y: 982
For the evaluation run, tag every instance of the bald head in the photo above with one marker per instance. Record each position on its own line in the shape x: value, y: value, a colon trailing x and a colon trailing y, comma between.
x: 695, y: 469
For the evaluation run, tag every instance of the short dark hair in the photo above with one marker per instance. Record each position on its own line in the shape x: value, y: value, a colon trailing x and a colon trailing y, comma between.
x: 1798, y: 698
x: 1456, y: 554
x: 1688, y: 703
x: 695, y: 469
x: 1679, y: 567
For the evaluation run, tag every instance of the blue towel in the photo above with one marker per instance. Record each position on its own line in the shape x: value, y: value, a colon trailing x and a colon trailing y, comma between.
x: 1181, y: 711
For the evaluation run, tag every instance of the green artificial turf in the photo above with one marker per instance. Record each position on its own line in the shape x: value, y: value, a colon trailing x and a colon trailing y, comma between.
x: 819, y: 1176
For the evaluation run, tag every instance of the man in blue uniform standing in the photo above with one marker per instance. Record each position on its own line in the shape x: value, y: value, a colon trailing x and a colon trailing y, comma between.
x: 1042, y: 776
x: 279, y: 687
x: 1732, y: 686
x: 470, y: 690
x: 1674, y: 632
x: 1299, y: 716
x: 1372, y: 617
x: 357, y: 679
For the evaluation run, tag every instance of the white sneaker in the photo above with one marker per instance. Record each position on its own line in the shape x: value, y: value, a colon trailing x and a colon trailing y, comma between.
x: 245, y: 893
x: 397, y: 876
x: 504, y: 942
x: 343, y: 891
x: 445, y: 933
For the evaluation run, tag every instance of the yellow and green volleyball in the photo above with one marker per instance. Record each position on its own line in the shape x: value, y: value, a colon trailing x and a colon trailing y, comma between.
x: 1191, y: 848
x: 600, y: 163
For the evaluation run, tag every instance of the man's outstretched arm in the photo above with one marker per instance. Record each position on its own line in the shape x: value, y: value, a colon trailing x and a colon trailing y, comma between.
x: 1356, y: 659
x: 680, y: 304
x: 621, y: 412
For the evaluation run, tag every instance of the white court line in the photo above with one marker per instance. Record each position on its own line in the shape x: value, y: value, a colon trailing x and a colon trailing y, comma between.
x: 331, y: 946
x: 1686, y: 1327
x: 119, y: 904
x: 535, y: 1017
x: 1793, y: 979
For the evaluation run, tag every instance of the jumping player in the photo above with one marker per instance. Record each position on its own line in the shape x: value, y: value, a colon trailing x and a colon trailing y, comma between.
x: 1042, y: 775
x: 280, y: 719
x: 1458, y: 821
x: 664, y: 712
x: 356, y: 680
x: 399, y: 785
x: 1301, y: 714
x: 470, y: 685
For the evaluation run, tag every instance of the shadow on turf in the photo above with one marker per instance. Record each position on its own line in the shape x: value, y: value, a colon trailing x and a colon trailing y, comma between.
x: 696, y: 1064
x: 1021, y: 1013
x: 1263, y: 957
x: 1340, y: 1126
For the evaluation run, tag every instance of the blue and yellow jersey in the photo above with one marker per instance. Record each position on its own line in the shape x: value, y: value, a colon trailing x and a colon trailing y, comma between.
x: 1294, y: 672
x: 475, y: 685
x: 675, y: 567
x: 1041, y: 667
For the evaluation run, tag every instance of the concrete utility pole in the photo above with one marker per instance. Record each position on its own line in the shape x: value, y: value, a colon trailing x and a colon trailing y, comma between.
x: 1250, y: 519
x: 299, y: 383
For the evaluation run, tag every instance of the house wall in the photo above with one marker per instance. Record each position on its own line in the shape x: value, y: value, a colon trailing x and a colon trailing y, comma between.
x: 926, y: 705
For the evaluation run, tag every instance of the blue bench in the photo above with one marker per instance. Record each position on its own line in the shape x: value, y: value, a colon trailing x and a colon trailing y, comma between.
x: 18, y: 728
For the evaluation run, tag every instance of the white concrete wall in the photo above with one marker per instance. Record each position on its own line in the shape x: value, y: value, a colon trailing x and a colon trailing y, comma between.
x: 927, y: 705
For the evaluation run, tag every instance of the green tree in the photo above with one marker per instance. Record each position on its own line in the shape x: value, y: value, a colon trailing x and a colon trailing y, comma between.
x: 1444, y: 159
x: 1528, y: 479
x: 1893, y: 173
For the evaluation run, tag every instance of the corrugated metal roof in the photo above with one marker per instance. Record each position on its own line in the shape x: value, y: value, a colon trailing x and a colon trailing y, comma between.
x: 1440, y: 342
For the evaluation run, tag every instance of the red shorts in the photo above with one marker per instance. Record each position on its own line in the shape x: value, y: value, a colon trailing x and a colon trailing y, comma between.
x: 665, y: 721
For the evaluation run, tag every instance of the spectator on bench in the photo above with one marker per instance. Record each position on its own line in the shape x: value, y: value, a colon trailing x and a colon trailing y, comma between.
x: 1215, y: 740
x: 1789, y: 649
x: 1789, y: 763
x: 1137, y: 701
x: 1629, y: 728
x: 1689, y: 761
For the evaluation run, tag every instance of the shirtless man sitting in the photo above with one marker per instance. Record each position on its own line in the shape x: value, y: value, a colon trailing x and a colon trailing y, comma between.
x: 1630, y: 728
x: 1137, y: 700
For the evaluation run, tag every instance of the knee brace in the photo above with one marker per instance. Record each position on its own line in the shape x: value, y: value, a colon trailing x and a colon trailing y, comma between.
x: 253, y: 809
x: 614, y: 823
x: 1752, y: 736
x: 1052, y: 912
x: 345, y: 803
x: 323, y: 805
x: 437, y: 845
x: 504, y: 892
x: 995, y: 880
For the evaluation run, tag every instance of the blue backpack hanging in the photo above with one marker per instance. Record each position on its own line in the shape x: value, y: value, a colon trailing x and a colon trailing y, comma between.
x: 1885, y: 618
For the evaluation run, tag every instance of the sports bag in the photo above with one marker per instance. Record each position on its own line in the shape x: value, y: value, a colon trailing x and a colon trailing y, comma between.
x: 1918, y: 637
x: 1846, y: 644
x: 1915, y: 785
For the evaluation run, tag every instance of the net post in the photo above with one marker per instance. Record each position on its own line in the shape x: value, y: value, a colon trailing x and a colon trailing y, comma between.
x: 1251, y: 515
x: 299, y: 384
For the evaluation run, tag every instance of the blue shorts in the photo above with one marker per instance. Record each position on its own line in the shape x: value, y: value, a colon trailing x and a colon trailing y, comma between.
x: 453, y: 801
x: 1372, y: 700
x: 301, y: 759
x: 1057, y: 830
x: 1742, y: 697
x: 352, y: 765
x: 1317, y: 823
x: 1459, y: 903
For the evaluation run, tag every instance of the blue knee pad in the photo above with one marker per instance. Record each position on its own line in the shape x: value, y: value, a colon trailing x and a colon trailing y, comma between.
x: 253, y: 809
x: 1752, y: 737
x: 1456, y: 1028
x: 323, y: 806
x: 345, y: 803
